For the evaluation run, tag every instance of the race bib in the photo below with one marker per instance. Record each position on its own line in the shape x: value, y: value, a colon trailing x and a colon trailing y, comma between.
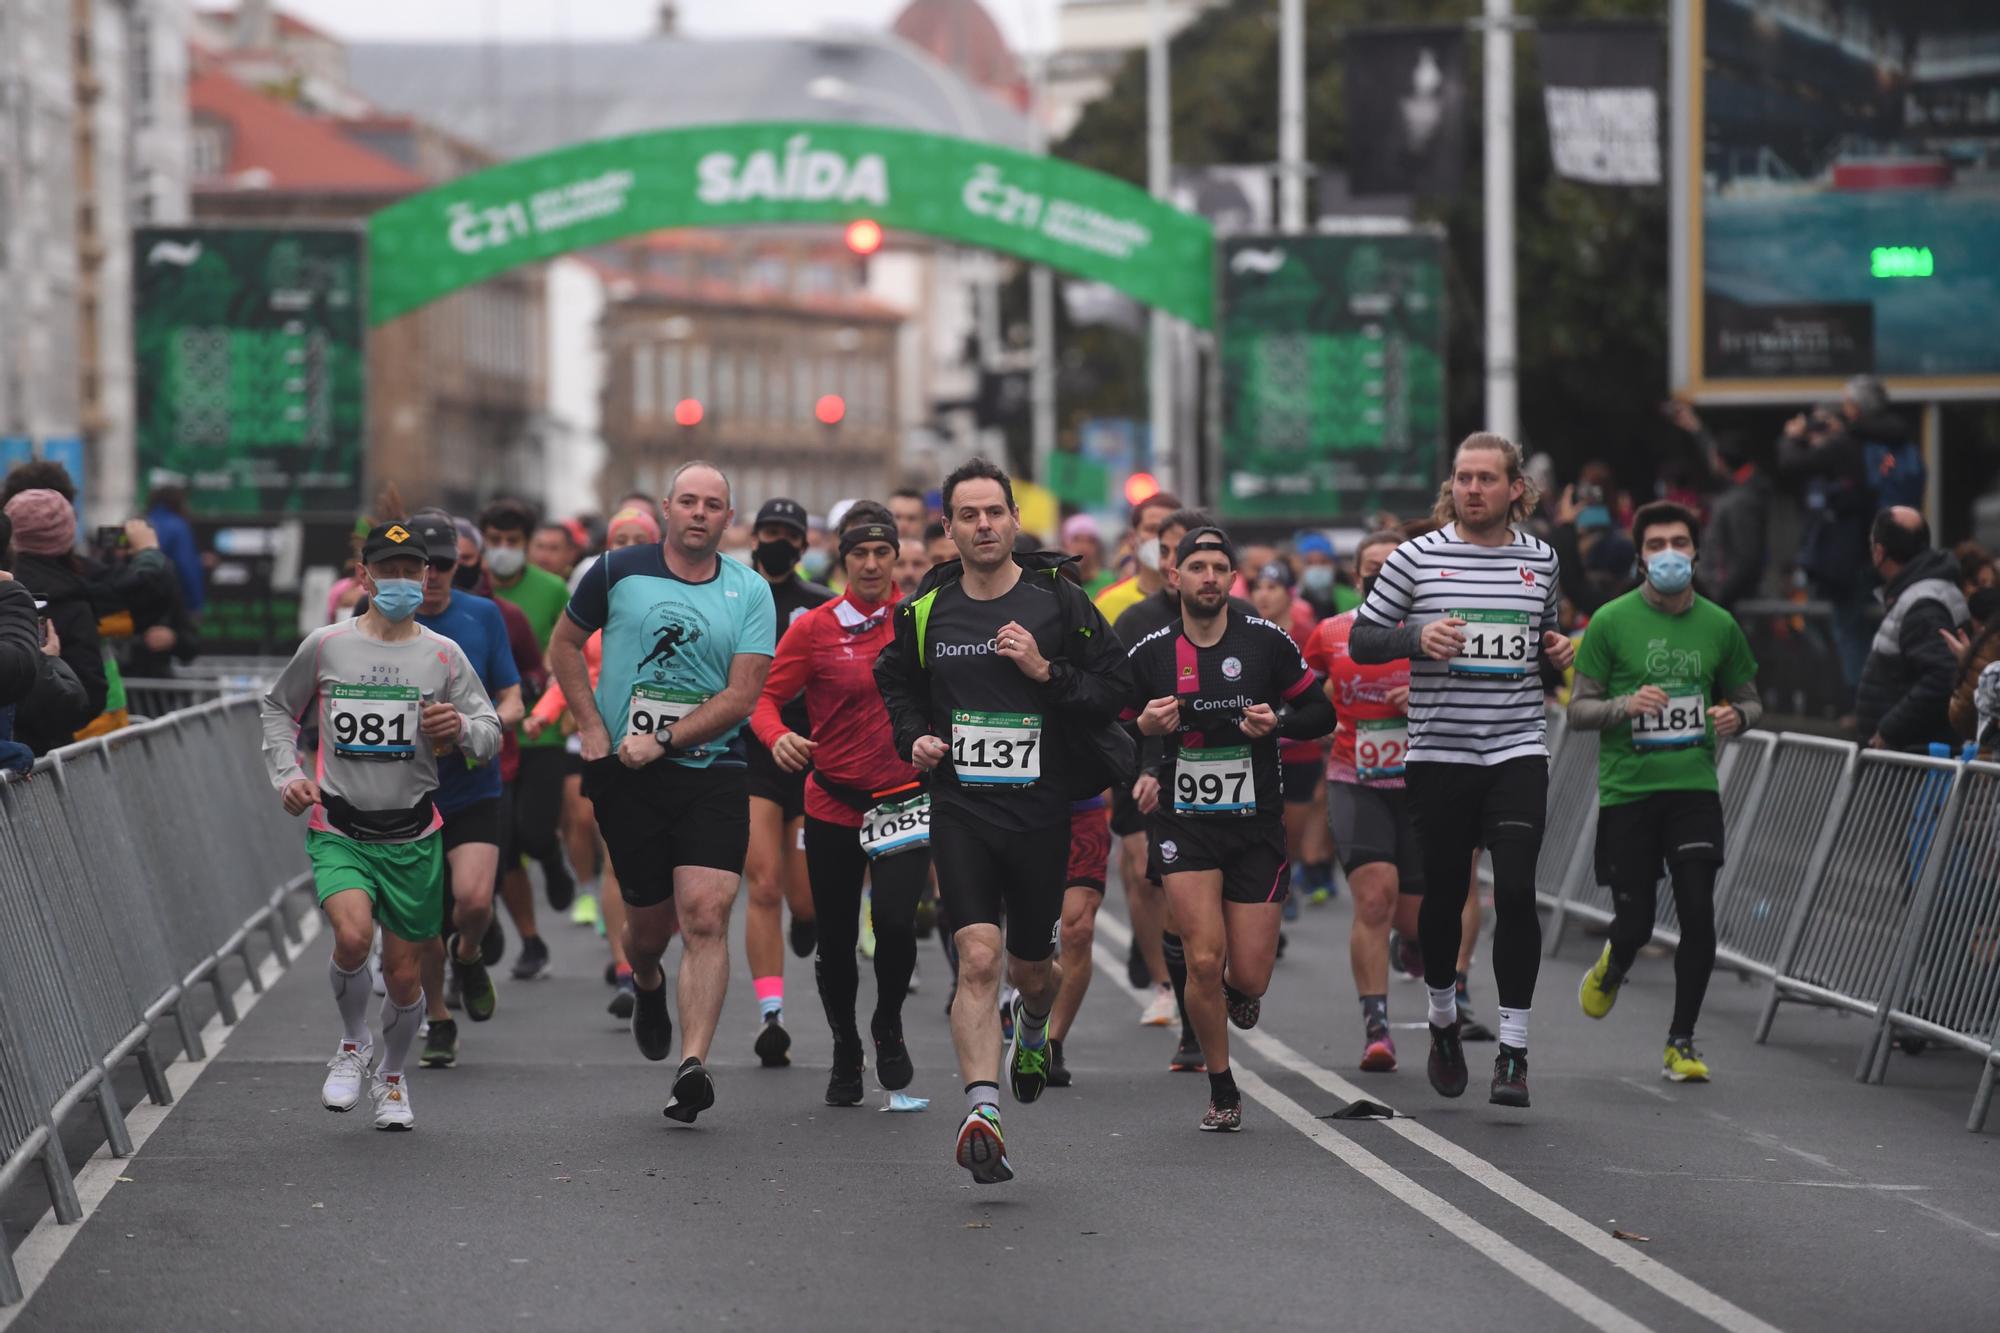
x: 373, y: 722
x: 1214, y: 782
x: 1683, y: 722
x: 654, y: 708
x: 897, y: 826
x: 1379, y: 746
x: 996, y: 749
x: 1496, y: 643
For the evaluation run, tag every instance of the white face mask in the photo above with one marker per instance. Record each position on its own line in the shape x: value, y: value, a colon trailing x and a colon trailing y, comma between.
x: 506, y: 561
x: 1149, y: 554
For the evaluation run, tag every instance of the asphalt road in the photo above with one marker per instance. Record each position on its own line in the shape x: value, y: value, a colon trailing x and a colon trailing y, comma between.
x: 543, y: 1188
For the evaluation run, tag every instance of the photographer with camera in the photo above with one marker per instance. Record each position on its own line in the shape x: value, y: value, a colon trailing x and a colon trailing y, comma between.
x: 45, y: 564
x: 32, y: 674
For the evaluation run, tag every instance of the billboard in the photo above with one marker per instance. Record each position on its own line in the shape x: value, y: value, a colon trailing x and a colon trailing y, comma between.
x: 1332, y: 375
x: 249, y: 357
x: 1837, y: 183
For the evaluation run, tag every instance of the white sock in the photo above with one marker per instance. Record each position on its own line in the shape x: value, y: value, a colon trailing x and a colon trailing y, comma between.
x: 399, y: 1029
x: 1514, y: 1027
x: 350, y: 994
x: 1444, y: 1006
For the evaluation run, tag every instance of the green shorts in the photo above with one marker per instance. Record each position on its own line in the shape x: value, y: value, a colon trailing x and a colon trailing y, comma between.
x: 405, y: 880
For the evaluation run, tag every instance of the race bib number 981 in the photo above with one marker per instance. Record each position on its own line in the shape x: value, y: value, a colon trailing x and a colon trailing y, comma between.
x: 373, y: 722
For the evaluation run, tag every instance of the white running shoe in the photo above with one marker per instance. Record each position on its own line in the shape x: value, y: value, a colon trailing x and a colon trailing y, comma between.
x: 392, y: 1103
x: 346, y: 1074
x: 1162, y: 1012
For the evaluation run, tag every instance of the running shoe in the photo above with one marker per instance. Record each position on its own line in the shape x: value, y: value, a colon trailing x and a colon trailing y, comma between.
x: 652, y: 1028
x: 1598, y: 990
x: 694, y: 1092
x: 1223, y: 1119
x: 623, y: 1000
x: 559, y: 884
x: 1510, y: 1077
x: 926, y: 920
x: 1469, y: 1026
x: 844, y: 1085
x: 1027, y: 1066
x: 1406, y: 956
x: 1379, y: 1055
x: 441, y: 1045
x: 534, y: 959
x: 584, y: 912
x: 1447, y: 1063
x: 1244, y: 1010
x: 1290, y: 912
x: 893, y: 1068
x: 805, y: 936
x: 1007, y: 997
x: 1136, y: 970
x: 1058, y: 1069
x: 1683, y: 1062
x: 772, y: 1043
x: 1283, y: 943
x: 1162, y: 1011
x: 981, y: 1149
x: 610, y: 973
x: 1322, y: 895
x: 452, y: 998
x: 1188, y: 1059
x: 346, y: 1075
x: 392, y: 1103
x: 493, y: 944
x: 475, y: 987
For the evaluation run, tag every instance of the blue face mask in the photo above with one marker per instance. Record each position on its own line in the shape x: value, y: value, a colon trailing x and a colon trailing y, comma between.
x: 1669, y: 572
x: 398, y: 599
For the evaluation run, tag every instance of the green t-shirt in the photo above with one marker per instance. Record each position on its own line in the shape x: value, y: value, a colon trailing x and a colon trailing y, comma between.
x: 541, y: 597
x: 1697, y: 657
x: 1099, y: 581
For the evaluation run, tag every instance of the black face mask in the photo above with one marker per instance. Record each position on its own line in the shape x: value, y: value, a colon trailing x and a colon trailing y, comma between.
x: 776, y: 558
x: 1368, y: 585
x: 465, y: 577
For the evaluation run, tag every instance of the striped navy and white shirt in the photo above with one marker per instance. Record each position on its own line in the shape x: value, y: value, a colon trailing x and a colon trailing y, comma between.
x: 1484, y: 707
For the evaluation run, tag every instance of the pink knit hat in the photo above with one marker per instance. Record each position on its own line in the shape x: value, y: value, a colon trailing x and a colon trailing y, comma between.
x: 44, y: 523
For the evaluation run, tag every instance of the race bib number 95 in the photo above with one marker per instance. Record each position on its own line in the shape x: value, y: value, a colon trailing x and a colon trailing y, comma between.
x: 996, y: 749
x: 373, y: 722
x: 654, y: 708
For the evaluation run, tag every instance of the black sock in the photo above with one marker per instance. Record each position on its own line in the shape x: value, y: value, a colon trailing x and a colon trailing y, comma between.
x: 1375, y: 1012
x: 1176, y: 971
x: 1222, y: 1089
x: 1464, y: 997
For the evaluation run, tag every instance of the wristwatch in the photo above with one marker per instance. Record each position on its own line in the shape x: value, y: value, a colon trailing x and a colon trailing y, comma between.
x: 666, y: 739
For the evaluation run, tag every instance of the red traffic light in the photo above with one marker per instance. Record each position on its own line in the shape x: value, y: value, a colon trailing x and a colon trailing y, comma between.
x: 830, y: 409
x: 1141, y: 486
x: 864, y: 237
x: 687, y: 412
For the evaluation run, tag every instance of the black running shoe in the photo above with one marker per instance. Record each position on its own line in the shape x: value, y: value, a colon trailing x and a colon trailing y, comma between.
x: 559, y: 883
x: 772, y: 1044
x: 611, y: 974
x: 844, y: 1086
x: 441, y: 1046
x: 651, y: 1027
x: 1447, y: 1062
x: 1282, y: 941
x: 1244, y: 1010
x: 493, y: 944
x: 1136, y: 970
x: 893, y: 1066
x: 1027, y: 1066
x: 475, y: 987
x: 1188, y: 1059
x: 1058, y: 1068
x: 805, y: 936
x: 694, y: 1092
x: 1469, y: 1026
x: 534, y: 959
x: 1510, y: 1077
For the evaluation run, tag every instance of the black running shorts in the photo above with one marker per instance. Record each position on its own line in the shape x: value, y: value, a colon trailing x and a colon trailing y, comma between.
x: 785, y: 790
x: 985, y: 873
x: 1300, y: 781
x: 478, y: 822
x: 1636, y: 839
x: 1250, y: 853
x: 1370, y: 826
x: 663, y: 816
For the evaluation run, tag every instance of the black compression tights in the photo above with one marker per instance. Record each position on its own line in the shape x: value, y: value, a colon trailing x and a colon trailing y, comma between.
x: 1694, y: 958
x: 1517, y: 930
x: 836, y: 866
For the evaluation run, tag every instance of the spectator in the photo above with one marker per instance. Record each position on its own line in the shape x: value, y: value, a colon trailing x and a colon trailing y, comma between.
x: 167, y: 512
x: 1975, y: 649
x: 1975, y: 568
x: 1597, y: 560
x: 912, y: 512
x: 33, y: 677
x: 1318, y: 576
x: 46, y: 564
x: 1082, y: 538
x: 1891, y: 459
x: 1734, y: 543
x: 937, y: 544
x: 1904, y: 702
x: 1987, y: 701
x: 1834, y: 549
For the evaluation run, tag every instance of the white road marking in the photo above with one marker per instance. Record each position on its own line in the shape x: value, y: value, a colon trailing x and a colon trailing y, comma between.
x: 1619, y: 1255
x: 43, y: 1248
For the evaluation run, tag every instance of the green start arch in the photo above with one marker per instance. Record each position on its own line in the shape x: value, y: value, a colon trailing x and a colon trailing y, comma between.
x: 1040, y: 209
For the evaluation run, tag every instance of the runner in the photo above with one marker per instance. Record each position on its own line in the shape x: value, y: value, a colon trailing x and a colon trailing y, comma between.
x: 1223, y: 689
x: 775, y: 870
x: 1367, y: 806
x: 912, y: 512
x: 468, y: 796
x: 912, y: 563
x: 866, y: 815
x: 505, y: 527
x: 687, y: 643
x: 1083, y: 894
x: 389, y: 698
x: 1302, y: 763
x: 1473, y: 606
x: 1664, y: 673
x: 1005, y: 683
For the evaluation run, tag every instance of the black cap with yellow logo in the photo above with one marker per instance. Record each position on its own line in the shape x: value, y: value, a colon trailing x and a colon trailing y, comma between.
x: 391, y: 539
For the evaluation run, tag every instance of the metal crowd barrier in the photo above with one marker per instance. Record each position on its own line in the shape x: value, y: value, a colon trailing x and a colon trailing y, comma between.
x: 120, y: 893
x: 1862, y: 880
x: 156, y: 698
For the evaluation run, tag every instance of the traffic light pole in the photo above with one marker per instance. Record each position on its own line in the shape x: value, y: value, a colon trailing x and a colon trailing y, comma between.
x: 1042, y: 309
x: 1159, y: 174
x: 1503, y: 405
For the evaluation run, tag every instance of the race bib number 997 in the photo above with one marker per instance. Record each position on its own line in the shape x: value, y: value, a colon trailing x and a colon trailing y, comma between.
x: 1215, y: 781
x: 373, y: 722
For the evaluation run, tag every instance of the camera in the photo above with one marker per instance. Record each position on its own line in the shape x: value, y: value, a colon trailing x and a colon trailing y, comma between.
x: 111, y: 541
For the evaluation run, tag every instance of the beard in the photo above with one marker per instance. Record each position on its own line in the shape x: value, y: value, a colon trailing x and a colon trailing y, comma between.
x: 1203, y: 605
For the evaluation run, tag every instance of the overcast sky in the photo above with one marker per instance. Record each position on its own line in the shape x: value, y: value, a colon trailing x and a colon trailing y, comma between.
x: 1028, y: 24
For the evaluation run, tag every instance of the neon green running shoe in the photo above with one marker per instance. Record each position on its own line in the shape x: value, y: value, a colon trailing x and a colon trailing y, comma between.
x: 1683, y: 1064
x: 1027, y: 1066
x: 1599, y: 990
x: 584, y: 911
